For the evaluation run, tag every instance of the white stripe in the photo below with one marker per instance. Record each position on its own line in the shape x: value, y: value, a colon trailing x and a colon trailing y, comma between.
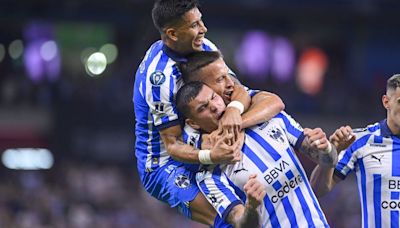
x: 210, y: 44
x: 149, y: 145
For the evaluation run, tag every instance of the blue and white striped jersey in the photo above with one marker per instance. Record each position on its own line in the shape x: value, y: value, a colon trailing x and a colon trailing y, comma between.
x: 267, y: 152
x: 156, y: 83
x: 375, y: 158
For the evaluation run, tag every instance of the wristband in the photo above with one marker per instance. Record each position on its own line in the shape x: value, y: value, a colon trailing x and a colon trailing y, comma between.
x: 205, y: 157
x: 238, y: 105
x: 328, y: 150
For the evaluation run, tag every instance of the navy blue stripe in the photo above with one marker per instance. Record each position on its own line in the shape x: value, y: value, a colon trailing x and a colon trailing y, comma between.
x: 238, y: 191
x: 377, y: 200
x: 299, y: 141
x: 349, y: 152
x: 271, y: 212
x: 304, y: 206
x: 310, y: 191
x: 289, y: 212
x: 289, y: 127
x: 185, y: 137
x: 168, y: 124
x: 395, y: 157
x: 254, y: 158
x: 378, y: 139
x: 267, y: 147
x: 216, y: 176
x: 156, y: 93
x: 206, y: 47
x: 394, y: 218
x: 373, y: 128
x: 363, y: 192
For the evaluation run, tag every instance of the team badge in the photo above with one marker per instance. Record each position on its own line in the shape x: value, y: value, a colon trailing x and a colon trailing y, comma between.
x: 182, y: 181
x: 157, y: 78
x: 276, y: 134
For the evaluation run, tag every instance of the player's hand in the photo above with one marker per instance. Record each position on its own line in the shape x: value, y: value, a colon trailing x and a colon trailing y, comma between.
x: 317, y: 139
x: 231, y: 121
x: 206, y: 142
x: 255, y: 192
x: 224, y: 151
x: 342, y: 138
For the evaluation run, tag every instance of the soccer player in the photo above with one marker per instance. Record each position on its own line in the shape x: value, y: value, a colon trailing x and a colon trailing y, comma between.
x: 159, y: 149
x: 374, y: 157
x: 268, y: 152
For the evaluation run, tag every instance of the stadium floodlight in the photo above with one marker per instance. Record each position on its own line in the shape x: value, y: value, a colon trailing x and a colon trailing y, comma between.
x: 27, y: 158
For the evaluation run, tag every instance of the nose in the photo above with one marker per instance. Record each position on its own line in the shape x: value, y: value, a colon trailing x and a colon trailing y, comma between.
x: 213, y: 107
x: 229, y: 82
x: 203, y: 28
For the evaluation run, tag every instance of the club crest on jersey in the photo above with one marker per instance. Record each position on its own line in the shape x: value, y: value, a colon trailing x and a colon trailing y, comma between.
x: 276, y: 134
x: 157, y: 78
x: 182, y: 181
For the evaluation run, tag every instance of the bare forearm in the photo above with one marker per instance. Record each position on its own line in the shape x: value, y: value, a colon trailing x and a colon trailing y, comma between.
x: 322, y: 180
x: 323, y: 158
x: 183, y: 152
x: 263, y: 107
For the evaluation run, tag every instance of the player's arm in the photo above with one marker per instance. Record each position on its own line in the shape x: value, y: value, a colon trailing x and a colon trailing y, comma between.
x: 323, y: 178
x: 318, y: 148
x: 247, y: 215
x: 219, y: 153
x: 263, y: 107
x: 240, y: 102
x: 215, y: 186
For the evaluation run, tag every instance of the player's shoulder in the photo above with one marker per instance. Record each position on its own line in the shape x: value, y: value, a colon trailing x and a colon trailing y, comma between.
x: 209, y: 44
x: 370, y: 129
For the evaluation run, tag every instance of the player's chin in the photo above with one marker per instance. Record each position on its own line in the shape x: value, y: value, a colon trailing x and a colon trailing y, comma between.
x: 197, y: 47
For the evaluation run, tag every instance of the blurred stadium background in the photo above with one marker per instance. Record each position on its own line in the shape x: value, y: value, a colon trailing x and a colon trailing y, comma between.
x: 66, y: 77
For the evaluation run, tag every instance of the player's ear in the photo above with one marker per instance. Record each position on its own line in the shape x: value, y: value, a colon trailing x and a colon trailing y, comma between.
x: 385, y: 101
x: 192, y: 123
x: 171, y: 33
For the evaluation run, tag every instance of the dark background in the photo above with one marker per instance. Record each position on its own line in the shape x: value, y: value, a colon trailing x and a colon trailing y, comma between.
x: 87, y: 122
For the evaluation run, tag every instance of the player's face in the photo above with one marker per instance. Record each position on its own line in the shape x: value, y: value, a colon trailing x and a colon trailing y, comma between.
x: 216, y: 76
x: 391, y: 101
x: 190, y: 33
x: 206, y: 109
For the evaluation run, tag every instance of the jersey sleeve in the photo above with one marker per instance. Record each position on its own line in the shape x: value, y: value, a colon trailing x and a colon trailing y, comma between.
x: 348, y: 158
x: 160, y: 90
x: 293, y: 129
x: 215, y: 187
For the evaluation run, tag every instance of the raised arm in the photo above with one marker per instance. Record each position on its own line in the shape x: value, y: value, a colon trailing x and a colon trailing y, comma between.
x: 247, y: 215
x: 318, y: 148
x: 225, y: 201
x: 263, y: 107
x: 323, y: 178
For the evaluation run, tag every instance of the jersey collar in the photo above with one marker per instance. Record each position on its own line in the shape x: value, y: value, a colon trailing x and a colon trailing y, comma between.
x: 173, y: 54
x: 385, y: 130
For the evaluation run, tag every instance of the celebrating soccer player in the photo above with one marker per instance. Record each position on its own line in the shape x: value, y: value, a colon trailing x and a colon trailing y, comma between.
x: 268, y: 153
x: 159, y: 148
x: 374, y: 156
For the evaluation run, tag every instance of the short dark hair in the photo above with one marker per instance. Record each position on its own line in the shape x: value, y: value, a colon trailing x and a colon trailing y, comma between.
x: 169, y: 12
x: 185, y: 95
x: 393, y: 82
x: 195, y: 62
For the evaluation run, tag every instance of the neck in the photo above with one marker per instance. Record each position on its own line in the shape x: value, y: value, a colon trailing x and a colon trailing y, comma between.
x: 394, y: 128
x: 173, y: 46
